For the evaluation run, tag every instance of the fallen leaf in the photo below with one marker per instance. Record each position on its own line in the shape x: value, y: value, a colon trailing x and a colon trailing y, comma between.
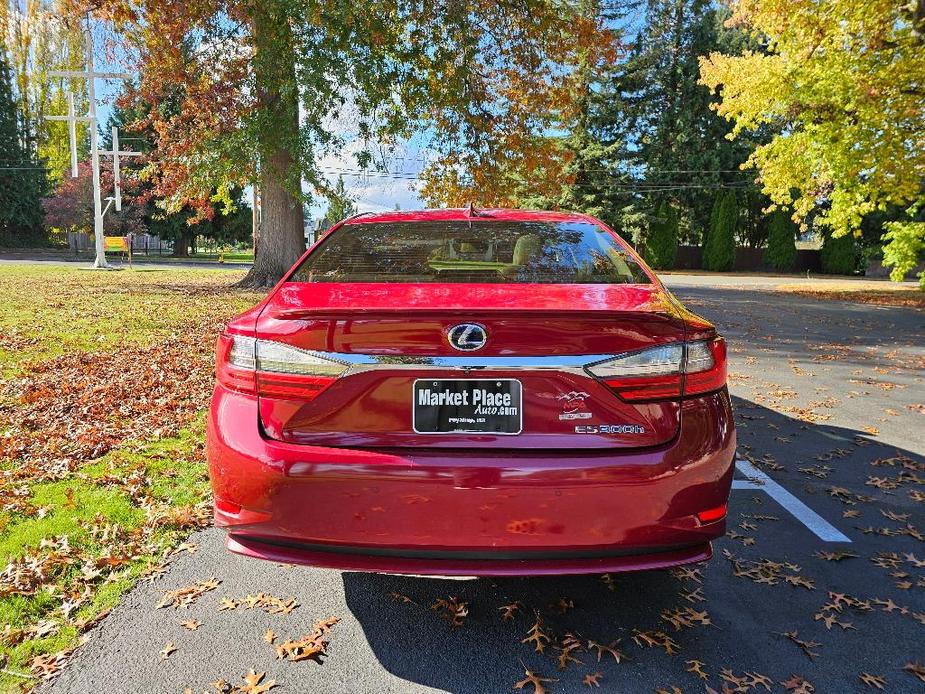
x: 534, y: 679
x: 187, y: 596
x: 227, y: 604
x: 806, y: 646
x: 452, y: 609
x: 872, y: 681
x: 309, y: 647
x: 611, y: 649
x: 253, y: 683
x: 696, y: 667
x: 798, y: 685
x: 915, y: 669
x: 537, y: 636
x: 593, y: 679
x: 507, y: 611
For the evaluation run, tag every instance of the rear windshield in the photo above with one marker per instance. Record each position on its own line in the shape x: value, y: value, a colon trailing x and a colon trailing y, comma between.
x: 477, y: 251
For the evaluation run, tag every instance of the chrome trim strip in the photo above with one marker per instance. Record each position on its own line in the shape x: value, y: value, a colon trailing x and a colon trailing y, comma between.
x: 368, y: 362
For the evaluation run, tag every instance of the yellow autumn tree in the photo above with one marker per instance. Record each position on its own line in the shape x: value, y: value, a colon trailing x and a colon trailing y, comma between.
x: 39, y: 38
x: 843, y: 82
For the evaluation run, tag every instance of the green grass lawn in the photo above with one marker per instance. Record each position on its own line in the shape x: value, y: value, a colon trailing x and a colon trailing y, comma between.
x: 91, y: 501
x: 231, y: 257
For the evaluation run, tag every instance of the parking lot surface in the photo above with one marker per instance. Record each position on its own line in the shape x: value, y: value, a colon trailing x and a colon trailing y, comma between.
x: 830, y: 407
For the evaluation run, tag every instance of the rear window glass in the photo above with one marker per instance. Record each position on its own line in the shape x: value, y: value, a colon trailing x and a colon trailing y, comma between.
x: 477, y: 251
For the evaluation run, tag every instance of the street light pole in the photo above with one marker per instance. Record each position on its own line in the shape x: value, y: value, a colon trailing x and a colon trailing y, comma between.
x: 91, y: 76
x: 100, y: 261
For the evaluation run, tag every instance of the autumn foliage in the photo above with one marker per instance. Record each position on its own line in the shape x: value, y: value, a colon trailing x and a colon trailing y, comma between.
x: 844, y: 86
x: 237, y: 92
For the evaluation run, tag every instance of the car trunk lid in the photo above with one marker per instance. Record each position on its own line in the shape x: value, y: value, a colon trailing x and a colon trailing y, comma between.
x: 391, y: 340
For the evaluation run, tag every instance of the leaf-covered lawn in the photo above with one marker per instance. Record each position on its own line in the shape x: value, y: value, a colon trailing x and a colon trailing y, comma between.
x: 104, y: 377
x: 876, y: 293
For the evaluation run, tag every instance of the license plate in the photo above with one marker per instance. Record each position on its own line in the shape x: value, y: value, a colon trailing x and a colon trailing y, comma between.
x: 468, y: 406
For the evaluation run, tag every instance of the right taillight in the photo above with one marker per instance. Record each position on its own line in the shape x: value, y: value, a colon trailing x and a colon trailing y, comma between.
x: 706, y: 366
x: 667, y: 371
x: 273, y: 369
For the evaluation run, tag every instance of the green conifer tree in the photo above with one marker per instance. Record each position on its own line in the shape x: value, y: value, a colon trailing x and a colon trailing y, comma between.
x: 662, y: 241
x: 22, y: 178
x: 839, y: 256
x: 781, y: 253
x: 719, y: 253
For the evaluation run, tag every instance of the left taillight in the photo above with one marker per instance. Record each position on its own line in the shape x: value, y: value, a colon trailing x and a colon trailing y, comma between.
x: 667, y: 371
x: 273, y: 369
x: 236, y: 362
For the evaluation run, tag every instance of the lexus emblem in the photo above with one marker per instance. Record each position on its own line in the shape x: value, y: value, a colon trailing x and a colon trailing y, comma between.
x: 467, y: 337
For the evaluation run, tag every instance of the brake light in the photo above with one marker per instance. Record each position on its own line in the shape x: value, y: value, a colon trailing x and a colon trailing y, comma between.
x: 667, y: 371
x: 273, y: 369
x: 712, y: 514
x: 235, y: 367
x: 706, y: 366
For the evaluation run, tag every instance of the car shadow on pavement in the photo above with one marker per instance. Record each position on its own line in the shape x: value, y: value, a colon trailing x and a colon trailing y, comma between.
x: 412, y: 636
x: 418, y: 643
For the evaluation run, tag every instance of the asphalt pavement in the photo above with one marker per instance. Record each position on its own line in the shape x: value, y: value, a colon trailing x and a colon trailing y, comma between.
x: 830, y: 404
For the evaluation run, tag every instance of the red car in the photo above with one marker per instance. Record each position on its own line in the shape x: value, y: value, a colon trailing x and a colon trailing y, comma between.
x: 471, y: 392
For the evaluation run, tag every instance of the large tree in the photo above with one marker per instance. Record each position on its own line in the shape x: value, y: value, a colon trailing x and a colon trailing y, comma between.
x: 844, y: 84
x: 263, y: 84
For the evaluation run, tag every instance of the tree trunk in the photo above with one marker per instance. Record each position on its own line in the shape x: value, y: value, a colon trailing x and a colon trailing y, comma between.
x: 181, y: 245
x: 282, y: 237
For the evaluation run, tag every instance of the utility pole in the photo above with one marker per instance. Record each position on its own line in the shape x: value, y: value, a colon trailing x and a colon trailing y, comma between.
x: 91, y: 76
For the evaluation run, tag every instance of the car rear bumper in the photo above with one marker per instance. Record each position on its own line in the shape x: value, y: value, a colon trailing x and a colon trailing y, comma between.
x: 468, y: 512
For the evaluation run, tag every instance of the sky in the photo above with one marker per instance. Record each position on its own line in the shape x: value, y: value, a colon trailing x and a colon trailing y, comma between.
x: 376, y: 191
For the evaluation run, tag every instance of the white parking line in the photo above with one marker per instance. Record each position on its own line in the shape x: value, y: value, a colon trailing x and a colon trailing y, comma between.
x: 818, y: 525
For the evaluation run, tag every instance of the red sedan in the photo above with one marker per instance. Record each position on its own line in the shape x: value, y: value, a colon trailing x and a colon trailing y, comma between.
x: 471, y: 392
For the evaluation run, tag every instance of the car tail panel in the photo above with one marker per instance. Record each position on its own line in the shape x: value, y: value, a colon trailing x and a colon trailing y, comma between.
x: 544, y: 337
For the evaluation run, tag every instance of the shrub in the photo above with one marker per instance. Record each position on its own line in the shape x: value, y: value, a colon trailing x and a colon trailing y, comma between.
x: 662, y: 241
x: 781, y: 253
x: 719, y: 253
x: 839, y: 256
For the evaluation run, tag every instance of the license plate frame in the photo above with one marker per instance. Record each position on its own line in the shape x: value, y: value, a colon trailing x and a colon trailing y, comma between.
x: 467, y: 415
